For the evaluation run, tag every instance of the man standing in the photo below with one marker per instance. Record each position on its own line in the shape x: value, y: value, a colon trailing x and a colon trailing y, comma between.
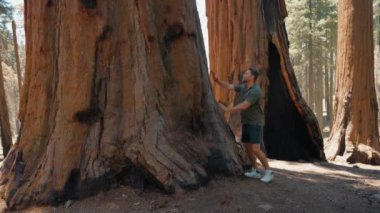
x: 252, y: 118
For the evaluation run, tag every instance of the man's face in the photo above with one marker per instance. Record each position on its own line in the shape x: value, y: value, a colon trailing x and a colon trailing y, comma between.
x: 247, y: 76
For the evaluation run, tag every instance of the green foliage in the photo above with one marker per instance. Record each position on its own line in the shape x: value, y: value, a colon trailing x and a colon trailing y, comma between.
x: 312, y: 26
x: 376, y: 31
x: 376, y: 21
x: 7, y: 49
x: 6, y: 39
x: 6, y: 13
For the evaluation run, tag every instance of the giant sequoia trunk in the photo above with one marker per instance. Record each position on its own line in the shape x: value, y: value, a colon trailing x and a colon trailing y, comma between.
x: 355, y: 133
x: 114, y: 88
x: 5, y: 126
x: 246, y: 33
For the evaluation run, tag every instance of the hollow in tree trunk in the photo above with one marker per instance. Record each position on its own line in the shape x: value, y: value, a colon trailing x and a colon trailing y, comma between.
x: 245, y: 33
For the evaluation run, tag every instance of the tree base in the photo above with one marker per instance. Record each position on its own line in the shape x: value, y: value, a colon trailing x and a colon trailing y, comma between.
x: 363, y: 154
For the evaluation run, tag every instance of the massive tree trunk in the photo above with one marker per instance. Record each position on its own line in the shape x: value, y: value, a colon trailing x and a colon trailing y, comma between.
x: 355, y: 133
x: 114, y: 88
x: 5, y: 126
x: 246, y: 33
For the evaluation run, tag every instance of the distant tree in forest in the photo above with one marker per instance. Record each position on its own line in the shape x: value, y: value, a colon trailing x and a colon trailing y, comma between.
x: 312, y: 27
x: 376, y: 32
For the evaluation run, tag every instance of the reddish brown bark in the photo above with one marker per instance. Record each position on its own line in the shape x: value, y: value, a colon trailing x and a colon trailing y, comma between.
x: 355, y: 134
x: 6, y: 133
x: 114, y: 88
x: 246, y: 33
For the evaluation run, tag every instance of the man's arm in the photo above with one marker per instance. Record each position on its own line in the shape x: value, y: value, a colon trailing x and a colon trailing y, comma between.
x: 242, y: 106
x: 251, y: 99
x: 222, y: 83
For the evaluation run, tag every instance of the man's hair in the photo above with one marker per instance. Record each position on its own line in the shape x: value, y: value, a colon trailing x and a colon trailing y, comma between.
x: 255, y: 72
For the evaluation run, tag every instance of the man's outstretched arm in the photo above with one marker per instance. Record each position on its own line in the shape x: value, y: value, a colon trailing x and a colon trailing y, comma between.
x: 242, y: 106
x: 252, y: 98
x: 222, y: 83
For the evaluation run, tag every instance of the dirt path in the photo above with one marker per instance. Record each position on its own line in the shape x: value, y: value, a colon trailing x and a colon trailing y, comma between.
x: 298, y: 187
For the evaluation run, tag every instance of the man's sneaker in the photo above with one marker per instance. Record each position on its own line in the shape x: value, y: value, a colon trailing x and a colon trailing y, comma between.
x: 253, y: 174
x: 268, y: 176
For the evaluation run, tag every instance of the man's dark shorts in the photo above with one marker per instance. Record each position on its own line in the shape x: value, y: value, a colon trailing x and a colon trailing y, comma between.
x: 252, y: 133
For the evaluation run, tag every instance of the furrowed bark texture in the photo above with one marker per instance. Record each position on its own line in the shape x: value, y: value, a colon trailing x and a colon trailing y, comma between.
x: 245, y: 34
x: 114, y: 88
x: 355, y: 133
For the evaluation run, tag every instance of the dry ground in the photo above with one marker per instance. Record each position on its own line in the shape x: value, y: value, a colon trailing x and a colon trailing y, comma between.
x: 297, y: 187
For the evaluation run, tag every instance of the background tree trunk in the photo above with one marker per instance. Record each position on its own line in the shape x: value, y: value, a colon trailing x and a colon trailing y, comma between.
x: 6, y: 133
x: 355, y: 133
x: 311, y: 71
x: 114, y: 88
x: 246, y: 33
x: 319, y: 96
x: 331, y: 89
x: 326, y: 82
x: 306, y: 83
x: 18, y: 67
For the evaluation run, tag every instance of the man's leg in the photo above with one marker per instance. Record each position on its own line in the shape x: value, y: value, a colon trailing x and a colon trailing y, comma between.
x: 253, y: 172
x: 251, y: 154
x: 257, y: 151
x: 268, y: 176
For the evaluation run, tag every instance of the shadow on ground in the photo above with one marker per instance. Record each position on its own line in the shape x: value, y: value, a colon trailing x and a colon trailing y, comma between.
x: 298, y: 187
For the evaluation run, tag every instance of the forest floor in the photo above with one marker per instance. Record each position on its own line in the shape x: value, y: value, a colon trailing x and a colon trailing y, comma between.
x: 297, y: 187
